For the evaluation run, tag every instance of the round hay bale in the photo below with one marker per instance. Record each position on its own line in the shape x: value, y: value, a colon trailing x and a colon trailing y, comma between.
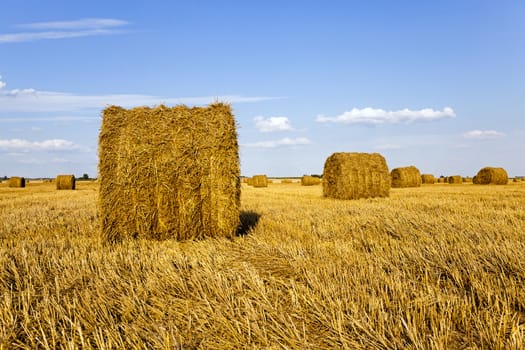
x: 17, y: 182
x: 249, y: 181
x: 310, y: 180
x: 169, y: 173
x: 490, y: 175
x: 428, y: 179
x: 286, y: 181
x: 455, y: 179
x: 441, y: 180
x: 260, y: 181
x: 65, y: 182
x: 406, y: 177
x: 349, y: 175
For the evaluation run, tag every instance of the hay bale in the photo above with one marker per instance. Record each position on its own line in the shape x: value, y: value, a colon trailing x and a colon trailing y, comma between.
x: 455, y: 180
x: 249, y: 181
x: 467, y: 179
x: 406, y: 177
x: 310, y: 180
x: 356, y: 175
x: 260, y: 181
x: 169, y: 173
x: 441, y: 180
x: 490, y: 175
x: 428, y: 179
x: 65, y: 182
x: 17, y: 182
x: 286, y: 181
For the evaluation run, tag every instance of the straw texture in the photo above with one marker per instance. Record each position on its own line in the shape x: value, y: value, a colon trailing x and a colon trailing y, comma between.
x: 406, y: 177
x: 490, y: 175
x: 169, y: 173
x: 65, y: 182
x: 349, y: 175
x: 17, y: 182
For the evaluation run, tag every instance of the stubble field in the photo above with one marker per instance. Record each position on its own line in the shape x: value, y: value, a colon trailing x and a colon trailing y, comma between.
x: 435, y: 267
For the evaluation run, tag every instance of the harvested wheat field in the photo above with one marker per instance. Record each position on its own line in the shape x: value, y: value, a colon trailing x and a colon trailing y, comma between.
x: 426, y: 268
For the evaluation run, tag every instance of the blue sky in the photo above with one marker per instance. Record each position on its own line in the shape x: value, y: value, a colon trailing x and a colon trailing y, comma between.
x: 435, y: 84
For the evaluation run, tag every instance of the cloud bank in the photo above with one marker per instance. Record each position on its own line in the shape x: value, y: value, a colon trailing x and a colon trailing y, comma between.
x: 19, y: 145
x: 374, y: 116
x: 64, y: 29
x: 483, y: 134
x: 31, y: 100
x: 280, y: 143
x: 272, y: 124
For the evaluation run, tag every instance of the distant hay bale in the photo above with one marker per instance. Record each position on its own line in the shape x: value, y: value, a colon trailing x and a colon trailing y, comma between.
x: 406, y: 177
x: 455, y: 179
x: 490, y: 175
x: 286, y: 181
x: 260, y: 181
x: 249, y: 181
x: 310, y: 180
x: 65, y: 182
x: 515, y: 180
x: 16, y: 181
x: 467, y: 179
x: 349, y: 175
x: 169, y: 173
x: 428, y: 179
x: 441, y: 180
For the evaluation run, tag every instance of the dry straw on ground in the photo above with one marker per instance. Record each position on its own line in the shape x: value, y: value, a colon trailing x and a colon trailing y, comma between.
x: 310, y: 180
x: 260, y: 181
x: 406, y: 177
x: 467, y: 179
x: 65, y: 182
x: 17, y: 181
x: 490, y: 175
x: 356, y: 175
x: 455, y: 179
x: 169, y: 172
x: 428, y: 179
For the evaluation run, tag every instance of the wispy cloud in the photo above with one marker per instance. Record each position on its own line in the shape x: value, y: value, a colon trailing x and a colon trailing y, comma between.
x: 31, y: 100
x: 272, y: 124
x: 483, y: 134
x: 19, y: 145
x: 65, y: 29
x: 86, y: 23
x: 374, y: 116
x: 280, y: 143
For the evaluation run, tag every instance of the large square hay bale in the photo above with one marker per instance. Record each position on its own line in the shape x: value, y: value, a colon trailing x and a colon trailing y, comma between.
x: 490, y: 175
x: 260, y: 181
x: 349, y: 175
x: 65, y: 182
x: 169, y: 173
x: 307, y: 180
x: 406, y: 177
x: 17, y: 182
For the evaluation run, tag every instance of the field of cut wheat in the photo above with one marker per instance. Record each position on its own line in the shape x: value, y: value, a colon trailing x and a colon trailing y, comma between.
x: 435, y: 267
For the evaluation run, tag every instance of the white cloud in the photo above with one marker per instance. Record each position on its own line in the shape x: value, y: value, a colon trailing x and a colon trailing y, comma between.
x: 483, y: 134
x: 272, y: 124
x: 19, y: 145
x: 65, y: 29
x: 280, y: 143
x: 374, y: 116
x: 2, y: 84
x: 31, y: 100
x: 85, y: 23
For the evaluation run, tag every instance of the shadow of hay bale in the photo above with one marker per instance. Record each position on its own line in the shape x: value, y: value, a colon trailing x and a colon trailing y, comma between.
x: 248, y: 221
